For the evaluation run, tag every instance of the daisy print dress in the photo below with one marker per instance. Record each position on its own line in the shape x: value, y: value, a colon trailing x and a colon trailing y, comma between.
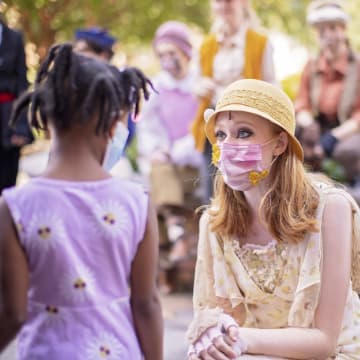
x: 80, y: 239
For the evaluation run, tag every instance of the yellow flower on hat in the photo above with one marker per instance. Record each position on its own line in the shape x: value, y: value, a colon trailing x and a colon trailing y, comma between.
x: 255, y: 177
x: 215, y: 158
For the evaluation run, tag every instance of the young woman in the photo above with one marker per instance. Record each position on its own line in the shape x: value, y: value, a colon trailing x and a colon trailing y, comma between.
x: 279, y: 250
x: 78, y: 248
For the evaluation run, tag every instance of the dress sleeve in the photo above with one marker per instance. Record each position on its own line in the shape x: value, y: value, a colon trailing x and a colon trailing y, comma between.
x: 207, y: 306
x: 12, y: 201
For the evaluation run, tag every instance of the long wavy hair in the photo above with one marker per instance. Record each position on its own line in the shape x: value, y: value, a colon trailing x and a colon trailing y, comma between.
x: 288, y: 208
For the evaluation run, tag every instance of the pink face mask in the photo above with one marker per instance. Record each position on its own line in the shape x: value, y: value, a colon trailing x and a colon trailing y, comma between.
x: 241, y: 165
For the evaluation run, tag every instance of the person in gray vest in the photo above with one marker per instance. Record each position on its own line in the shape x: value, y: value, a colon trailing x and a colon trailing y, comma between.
x: 329, y: 94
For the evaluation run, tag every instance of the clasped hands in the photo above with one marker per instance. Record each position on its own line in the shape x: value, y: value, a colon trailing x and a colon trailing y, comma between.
x: 219, y: 342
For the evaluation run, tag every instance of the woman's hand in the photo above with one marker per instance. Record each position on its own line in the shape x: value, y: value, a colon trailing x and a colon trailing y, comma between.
x: 219, y: 342
x: 204, y: 88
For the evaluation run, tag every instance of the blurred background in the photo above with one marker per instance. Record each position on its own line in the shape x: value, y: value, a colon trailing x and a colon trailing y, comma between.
x: 44, y: 22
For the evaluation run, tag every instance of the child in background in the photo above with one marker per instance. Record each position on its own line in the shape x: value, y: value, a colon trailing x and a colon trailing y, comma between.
x: 166, y: 147
x: 79, y: 248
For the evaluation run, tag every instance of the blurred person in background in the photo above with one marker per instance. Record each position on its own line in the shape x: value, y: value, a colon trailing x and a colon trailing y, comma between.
x: 329, y: 96
x: 13, y: 82
x: 165, y: 146
x: 96, y: 42
x: 233, y: 50
x: 99, y: 43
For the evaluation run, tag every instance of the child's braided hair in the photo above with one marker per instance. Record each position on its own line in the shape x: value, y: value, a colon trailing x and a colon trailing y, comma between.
x: 70, y: 87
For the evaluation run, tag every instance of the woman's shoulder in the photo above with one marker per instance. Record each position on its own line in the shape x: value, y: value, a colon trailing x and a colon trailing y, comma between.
x: 333, y: 193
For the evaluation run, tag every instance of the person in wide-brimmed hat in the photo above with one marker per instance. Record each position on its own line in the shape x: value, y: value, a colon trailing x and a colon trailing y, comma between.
x: 329, y: 93
x: 265, y: 280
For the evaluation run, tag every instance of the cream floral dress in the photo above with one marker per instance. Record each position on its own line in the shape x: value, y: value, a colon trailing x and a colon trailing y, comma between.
x: 273, y: 286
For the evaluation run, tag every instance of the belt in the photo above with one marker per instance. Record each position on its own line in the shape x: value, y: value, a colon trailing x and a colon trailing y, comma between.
x: 6, y: 97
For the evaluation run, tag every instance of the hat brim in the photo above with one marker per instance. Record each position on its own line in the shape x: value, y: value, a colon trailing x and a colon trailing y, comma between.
x: 210, y: 125
x: 327, y: 14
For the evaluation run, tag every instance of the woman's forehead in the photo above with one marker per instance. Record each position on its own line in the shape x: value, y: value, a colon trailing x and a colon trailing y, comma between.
x: 240, y: 116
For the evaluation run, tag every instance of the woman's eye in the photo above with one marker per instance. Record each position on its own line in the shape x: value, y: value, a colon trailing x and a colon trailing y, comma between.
x: 244, y: 133
x: 220, y: 135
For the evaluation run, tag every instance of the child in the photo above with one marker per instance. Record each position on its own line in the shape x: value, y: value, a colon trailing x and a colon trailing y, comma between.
x: 74, y: 240
x: 166, y: 147
x: 279, y: 250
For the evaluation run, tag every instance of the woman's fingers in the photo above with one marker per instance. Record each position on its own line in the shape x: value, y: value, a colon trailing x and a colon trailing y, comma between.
x: 214, y: 353
x: 224, y: 348
x: 193, y: 357
x: 191, y: 354
x: 226, y: 322
x: 233, y: 332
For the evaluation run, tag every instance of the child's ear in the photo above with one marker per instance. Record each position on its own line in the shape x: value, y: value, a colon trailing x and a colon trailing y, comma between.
x: 282, y: 143
x: 111, y: 132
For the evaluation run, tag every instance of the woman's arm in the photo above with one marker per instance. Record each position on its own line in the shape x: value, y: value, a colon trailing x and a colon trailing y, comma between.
x: 318, y: 342
x: 13, y: 279
x: 145, y: 301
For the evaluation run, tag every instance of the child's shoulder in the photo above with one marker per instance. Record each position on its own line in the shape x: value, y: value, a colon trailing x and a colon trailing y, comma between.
x: 26, y: 189
x: 130, y: 186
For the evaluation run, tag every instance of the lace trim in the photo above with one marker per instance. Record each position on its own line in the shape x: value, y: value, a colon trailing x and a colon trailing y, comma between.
x: 271, y: 245
x: 264, y: 264
x: 203, y: 319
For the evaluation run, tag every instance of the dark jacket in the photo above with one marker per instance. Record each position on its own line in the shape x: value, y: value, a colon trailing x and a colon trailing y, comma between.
x: 12, y: 80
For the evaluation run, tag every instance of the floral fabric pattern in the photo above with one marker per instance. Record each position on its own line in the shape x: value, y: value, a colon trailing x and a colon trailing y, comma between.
x: 80, y: 239
x: 271, y: 286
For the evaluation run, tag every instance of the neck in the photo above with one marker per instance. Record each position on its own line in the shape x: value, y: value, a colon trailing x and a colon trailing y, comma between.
x: 75, y: 158
x: 332, y: 56
x: 259, y: 234
x: 253, y: 198
x: 226, y: 29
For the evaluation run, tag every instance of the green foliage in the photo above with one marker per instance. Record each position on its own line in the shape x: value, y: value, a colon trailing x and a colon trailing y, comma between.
x: 291, y: 85
x: 334, y: 170
x: 46, y: 21
x: 134, y: 22
x: 288, y: 16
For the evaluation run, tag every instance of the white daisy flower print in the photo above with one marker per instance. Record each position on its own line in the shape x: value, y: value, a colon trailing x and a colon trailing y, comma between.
x: 55, y: 316
x: 45, y: 230
x: 78, y: 285
x: 106, y: 346
x: 112, y: 219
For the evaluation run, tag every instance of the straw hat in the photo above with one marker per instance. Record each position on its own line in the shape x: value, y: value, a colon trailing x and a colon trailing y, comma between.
x: 260, y: 98
x: 326, y: 10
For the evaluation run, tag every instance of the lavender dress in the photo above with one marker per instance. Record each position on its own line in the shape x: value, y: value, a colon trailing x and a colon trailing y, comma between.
x: 80, y: 239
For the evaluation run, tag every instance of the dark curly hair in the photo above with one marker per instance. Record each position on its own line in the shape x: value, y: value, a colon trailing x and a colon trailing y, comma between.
x: 70, y: 88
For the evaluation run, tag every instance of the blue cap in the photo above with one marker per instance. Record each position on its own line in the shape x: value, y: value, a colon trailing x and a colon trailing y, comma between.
x: 96, y: 35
